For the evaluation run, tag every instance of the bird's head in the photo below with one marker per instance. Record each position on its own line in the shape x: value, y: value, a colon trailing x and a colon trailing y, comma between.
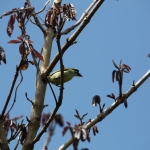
x: 76, y: 72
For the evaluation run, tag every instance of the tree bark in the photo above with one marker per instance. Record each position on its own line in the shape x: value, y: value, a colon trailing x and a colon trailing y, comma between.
x: 38, y: 105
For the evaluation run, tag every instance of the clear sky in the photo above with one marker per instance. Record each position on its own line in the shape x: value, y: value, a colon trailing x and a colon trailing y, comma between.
x: 120, y: 29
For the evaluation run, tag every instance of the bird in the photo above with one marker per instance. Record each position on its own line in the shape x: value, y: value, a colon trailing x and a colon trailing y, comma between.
x: 2, y: 55
x: 69, y: 73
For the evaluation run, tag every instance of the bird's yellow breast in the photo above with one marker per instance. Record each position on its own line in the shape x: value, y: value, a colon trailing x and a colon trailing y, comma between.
x: 56, y: 77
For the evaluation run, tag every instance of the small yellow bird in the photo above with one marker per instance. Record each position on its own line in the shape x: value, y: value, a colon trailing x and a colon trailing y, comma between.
x: 69, y: 73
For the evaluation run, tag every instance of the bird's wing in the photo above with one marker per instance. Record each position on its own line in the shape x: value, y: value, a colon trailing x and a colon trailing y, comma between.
x: 65, y: 69
x: 54, y: 72
x: 58, y: 76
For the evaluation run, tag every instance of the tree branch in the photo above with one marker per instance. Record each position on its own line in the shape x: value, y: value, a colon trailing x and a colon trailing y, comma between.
x: 11, y: 90
x: 53, y: 93
x: 108, y: 110
x: 16, y: 93
x: 35, y: 18
x: 46, y: 125
x: 43, y: 7
x: 72, y: 39
x: 3, y: 141
x: 58, y: 104
x: 80, y: 20
x: 15, y: 10
x: 37, y: 109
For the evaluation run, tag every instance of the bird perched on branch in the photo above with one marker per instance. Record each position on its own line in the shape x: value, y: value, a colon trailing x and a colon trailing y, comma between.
x: 2, y: 55
x: 69, y: 73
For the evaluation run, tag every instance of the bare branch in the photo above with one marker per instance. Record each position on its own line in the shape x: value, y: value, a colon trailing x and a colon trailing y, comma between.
x: 15, y: 134
x: 11, y: 90
x: 61, y: 64
x: 16, y: 93
x: 32, y: 21
x: 37, y: 138
x: 43, y: 7
x: 4, y: 142
x: 16, y: 146
x: 28, y: 98
x: 108, y: 110
x: 39, y: 95
x: 80, y: 20
x: 35, y: 116
x: 58, y: 104
x: 15, y: 10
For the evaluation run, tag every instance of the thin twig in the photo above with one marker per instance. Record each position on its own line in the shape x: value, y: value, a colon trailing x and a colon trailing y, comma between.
x: 32, y: 21
x: 43, y: 7
x: 53, y: 93
x: 27, y: 20
x: 11, y: 89
x: 19, y: 137
x: 35, y: 22
x: 41, y: 20
x: 15, y: 135
x: 16, y: 93
x: 70, y: 29
x: 58, y: 36
x: 28, y: 98
x: 37, y: 138
x: 16, y: 145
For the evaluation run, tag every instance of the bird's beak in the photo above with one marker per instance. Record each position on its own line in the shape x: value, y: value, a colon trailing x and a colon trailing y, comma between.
x: 79, y: 75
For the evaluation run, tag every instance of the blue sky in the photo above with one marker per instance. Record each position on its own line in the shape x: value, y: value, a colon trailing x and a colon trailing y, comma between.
x: 119, y: 30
